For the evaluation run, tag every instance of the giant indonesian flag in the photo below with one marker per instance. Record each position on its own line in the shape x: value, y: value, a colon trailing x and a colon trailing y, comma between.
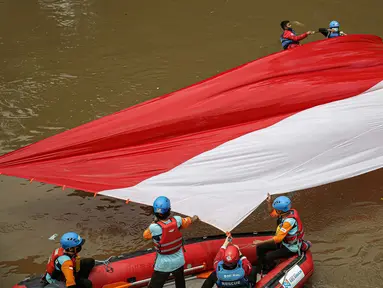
x: 292, y: 120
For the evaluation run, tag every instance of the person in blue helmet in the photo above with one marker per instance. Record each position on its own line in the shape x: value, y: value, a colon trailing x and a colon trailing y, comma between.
x: 332, y: 31
x: 168, y: 242
x: 288, y: 239
x: 64, y: 268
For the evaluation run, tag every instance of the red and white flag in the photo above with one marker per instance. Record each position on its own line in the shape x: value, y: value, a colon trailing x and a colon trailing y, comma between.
x: 289, y: 121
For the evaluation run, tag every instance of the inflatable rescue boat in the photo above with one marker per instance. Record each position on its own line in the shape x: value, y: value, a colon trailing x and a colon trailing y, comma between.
x: 135, y: 269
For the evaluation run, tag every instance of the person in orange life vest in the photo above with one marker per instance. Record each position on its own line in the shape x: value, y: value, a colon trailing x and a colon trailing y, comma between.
x: 64, y: 268
x: 168, y: 242
x: 231, y: 268
x: 288, y: 38
x: 288, y: 239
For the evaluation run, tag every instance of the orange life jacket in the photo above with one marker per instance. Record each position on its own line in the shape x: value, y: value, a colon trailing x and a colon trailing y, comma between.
x: 298, y: 236
x: 51, y: 266
x: 171, y: 239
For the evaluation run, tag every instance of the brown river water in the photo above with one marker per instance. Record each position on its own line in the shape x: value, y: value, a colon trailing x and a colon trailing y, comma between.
x: 67, y: 62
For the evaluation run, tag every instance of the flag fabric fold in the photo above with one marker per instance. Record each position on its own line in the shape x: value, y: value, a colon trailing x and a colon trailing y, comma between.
x: 291, y: 120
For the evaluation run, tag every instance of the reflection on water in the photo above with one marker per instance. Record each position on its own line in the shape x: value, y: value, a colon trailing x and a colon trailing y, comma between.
x: 73, y: 16
x: 63, y: 11
x: 67, y: 62
x: 68, y: 14
x: 18, y: 106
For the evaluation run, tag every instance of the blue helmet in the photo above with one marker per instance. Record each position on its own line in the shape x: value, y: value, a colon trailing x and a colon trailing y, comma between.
x: 70, y: 240
x: 334, y: 24
x: 161, y: 205
x: 282, y: 203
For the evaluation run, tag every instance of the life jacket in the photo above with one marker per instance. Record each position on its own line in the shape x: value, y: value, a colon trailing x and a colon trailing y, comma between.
x: 171, y: 238
x: 231, y: 278
x: 54, y: 267
x: 298, y: 236
x: 287, y: 42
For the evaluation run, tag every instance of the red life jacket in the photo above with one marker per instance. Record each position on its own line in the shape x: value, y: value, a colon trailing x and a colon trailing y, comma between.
x: 298, y: 236
x: 51, y: 269
x: 171, y: 239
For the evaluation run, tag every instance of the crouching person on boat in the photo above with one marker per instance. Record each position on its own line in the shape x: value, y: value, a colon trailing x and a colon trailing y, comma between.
x: 288, y: 239
x: 167, y: 238
x: 232, y: 269
x: 64, y: 268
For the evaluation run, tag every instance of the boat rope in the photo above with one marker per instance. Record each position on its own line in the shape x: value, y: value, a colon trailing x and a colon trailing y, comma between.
x: 246, y: 246
x: 106, y: 263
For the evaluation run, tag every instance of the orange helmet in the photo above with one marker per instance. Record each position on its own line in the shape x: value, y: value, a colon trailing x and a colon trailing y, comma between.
x: 231, y: 256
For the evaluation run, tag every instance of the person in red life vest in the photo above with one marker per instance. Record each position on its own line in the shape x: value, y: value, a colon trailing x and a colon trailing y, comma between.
x: 231, y: 268
x: 64, y: 268
x: 289, y: 39
x: 288, y: 239
x: 168, y: 242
